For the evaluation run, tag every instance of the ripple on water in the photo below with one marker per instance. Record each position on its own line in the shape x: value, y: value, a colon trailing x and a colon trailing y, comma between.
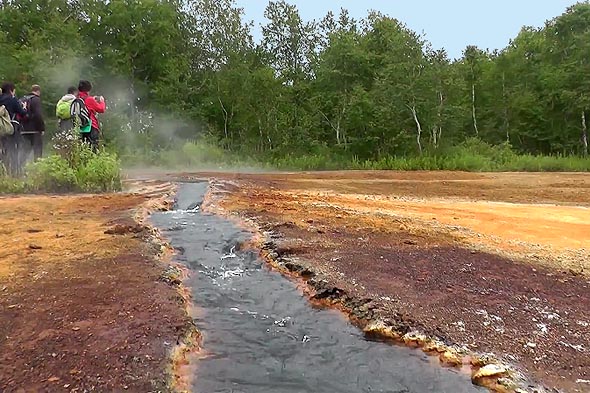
x: 263, y: 334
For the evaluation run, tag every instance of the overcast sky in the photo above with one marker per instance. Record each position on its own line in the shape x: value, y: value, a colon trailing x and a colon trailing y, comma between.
x: 449, y: 24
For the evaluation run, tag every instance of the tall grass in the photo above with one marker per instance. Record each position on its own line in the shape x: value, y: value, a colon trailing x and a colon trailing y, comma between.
x: 472, y: 155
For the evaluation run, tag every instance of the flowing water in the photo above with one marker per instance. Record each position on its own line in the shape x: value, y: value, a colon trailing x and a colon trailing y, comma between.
x: 261, y: 335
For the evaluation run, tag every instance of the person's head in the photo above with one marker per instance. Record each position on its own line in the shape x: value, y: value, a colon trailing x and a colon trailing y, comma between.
x: 36, y: 90
x: 84, y: 86
x: 8, y: 88
x: 72, y: 90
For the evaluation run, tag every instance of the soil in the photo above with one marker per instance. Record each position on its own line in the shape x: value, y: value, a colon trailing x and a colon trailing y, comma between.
x: 82, y: 304
x: 493, y: 263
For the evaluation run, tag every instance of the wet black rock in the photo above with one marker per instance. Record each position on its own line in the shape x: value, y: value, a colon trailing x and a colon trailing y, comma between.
x: 332, y: 293
x: 124, y: 229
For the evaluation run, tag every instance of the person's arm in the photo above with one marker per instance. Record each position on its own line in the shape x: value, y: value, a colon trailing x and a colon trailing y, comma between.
x: 93, y: 104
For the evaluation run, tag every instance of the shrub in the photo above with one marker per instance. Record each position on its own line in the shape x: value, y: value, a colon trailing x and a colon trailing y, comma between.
x: 74, y: 167
x: 11, y: 186
x: 99, y: 172
x: 67, y: 145
x: 51, y: 174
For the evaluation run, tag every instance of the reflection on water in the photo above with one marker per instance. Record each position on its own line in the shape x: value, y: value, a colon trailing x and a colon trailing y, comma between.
x: 262, y: 336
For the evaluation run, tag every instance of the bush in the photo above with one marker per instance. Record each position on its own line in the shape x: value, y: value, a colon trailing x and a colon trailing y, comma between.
x: 74, y: 167
x: 51, y: 174
x: 11, y: 186
x: 99, y: 172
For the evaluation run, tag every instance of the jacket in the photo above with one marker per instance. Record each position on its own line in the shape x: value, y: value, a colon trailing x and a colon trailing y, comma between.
x: 35, y: 121
x: 93, y: 107
x: 12, y: 105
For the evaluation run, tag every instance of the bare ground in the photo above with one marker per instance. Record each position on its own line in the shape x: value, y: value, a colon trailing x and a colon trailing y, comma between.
x: 494, y: 263
x: 80, y: 309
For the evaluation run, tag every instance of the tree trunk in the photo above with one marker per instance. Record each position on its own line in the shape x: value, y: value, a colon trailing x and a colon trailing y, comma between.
x: 438, y: 129
x: 418, y: 128
x: 473, y: 114
x: 340, y: 137
x: 584, y: 134
x: 225, y: 119
x: 261, y: 145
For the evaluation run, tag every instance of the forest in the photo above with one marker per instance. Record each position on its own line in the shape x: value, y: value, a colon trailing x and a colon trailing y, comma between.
x: 358, y: 91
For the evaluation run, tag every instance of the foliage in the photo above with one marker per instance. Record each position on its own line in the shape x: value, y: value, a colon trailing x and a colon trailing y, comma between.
x: 9, y: 185
x: 310, y: 94
x: 72, y: 168
x: 99, y: 172
x: 472, y: 155
x: 51, y: 174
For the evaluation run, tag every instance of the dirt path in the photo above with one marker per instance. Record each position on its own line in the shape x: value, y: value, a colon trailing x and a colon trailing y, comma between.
x: 80, y: 309
x: 445, y: 254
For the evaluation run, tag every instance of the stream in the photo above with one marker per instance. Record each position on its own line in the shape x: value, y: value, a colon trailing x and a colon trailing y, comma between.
x: 261, y: 335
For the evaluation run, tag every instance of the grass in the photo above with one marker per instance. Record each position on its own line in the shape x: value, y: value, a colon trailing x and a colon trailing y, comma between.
x: 473, y: 156
x: 74, y: 168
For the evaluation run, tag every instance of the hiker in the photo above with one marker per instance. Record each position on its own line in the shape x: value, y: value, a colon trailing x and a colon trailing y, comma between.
x: 9, y: 142
x: 62, y: 109
x: 93, y: 105
x: 33, y: 125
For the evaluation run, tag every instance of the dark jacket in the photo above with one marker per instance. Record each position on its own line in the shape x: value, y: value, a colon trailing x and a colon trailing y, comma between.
x: 12, y: 105
x: 35, y: 120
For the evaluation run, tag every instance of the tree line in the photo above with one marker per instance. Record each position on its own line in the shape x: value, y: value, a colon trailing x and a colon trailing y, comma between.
x: 368, y: 88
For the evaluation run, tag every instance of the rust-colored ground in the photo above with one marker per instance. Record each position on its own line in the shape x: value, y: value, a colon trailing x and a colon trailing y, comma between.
x: 81, y: 310
x: 493, y: 262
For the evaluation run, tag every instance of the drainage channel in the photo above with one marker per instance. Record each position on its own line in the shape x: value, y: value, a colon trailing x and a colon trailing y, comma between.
x: 261, y: 335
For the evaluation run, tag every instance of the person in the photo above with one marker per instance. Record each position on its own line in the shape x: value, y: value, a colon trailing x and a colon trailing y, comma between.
x: 94, y: 105
x: 9, y: 100
x: 34, y: 125
x: 10, y: 143
x: 62, y: 109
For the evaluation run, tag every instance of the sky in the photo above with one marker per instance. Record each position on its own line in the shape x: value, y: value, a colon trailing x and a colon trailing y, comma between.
x: 449, y: 24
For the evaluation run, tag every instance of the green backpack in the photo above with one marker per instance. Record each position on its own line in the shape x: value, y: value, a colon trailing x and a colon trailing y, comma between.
x: 6, y: 127
x: 62, y: 110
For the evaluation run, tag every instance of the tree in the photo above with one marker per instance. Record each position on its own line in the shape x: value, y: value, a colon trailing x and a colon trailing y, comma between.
x: 290, y: 44
x: 473, y: 59
x: 569, y: 40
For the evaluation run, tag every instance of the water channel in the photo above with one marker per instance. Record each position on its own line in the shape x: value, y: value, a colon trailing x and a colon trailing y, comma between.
x: 261, y: 335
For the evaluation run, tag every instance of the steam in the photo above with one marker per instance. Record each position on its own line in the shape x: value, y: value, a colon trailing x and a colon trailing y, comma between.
x: 65, y: 73
x: 135, y: 131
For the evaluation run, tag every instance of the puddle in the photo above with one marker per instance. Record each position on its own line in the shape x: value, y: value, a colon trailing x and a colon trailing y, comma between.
x: 260, y: 335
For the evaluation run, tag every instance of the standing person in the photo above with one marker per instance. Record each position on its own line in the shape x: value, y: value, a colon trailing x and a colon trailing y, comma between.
x: 9, y: 143
x: 94, y: 105
x: 62, y: 109
x: 34, y: 125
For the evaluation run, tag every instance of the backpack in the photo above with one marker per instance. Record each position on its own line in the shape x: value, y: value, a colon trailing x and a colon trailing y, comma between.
x: 80, y: 115
x: 63, y: 110
x: 25, y: 102
x: 6, y: 127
